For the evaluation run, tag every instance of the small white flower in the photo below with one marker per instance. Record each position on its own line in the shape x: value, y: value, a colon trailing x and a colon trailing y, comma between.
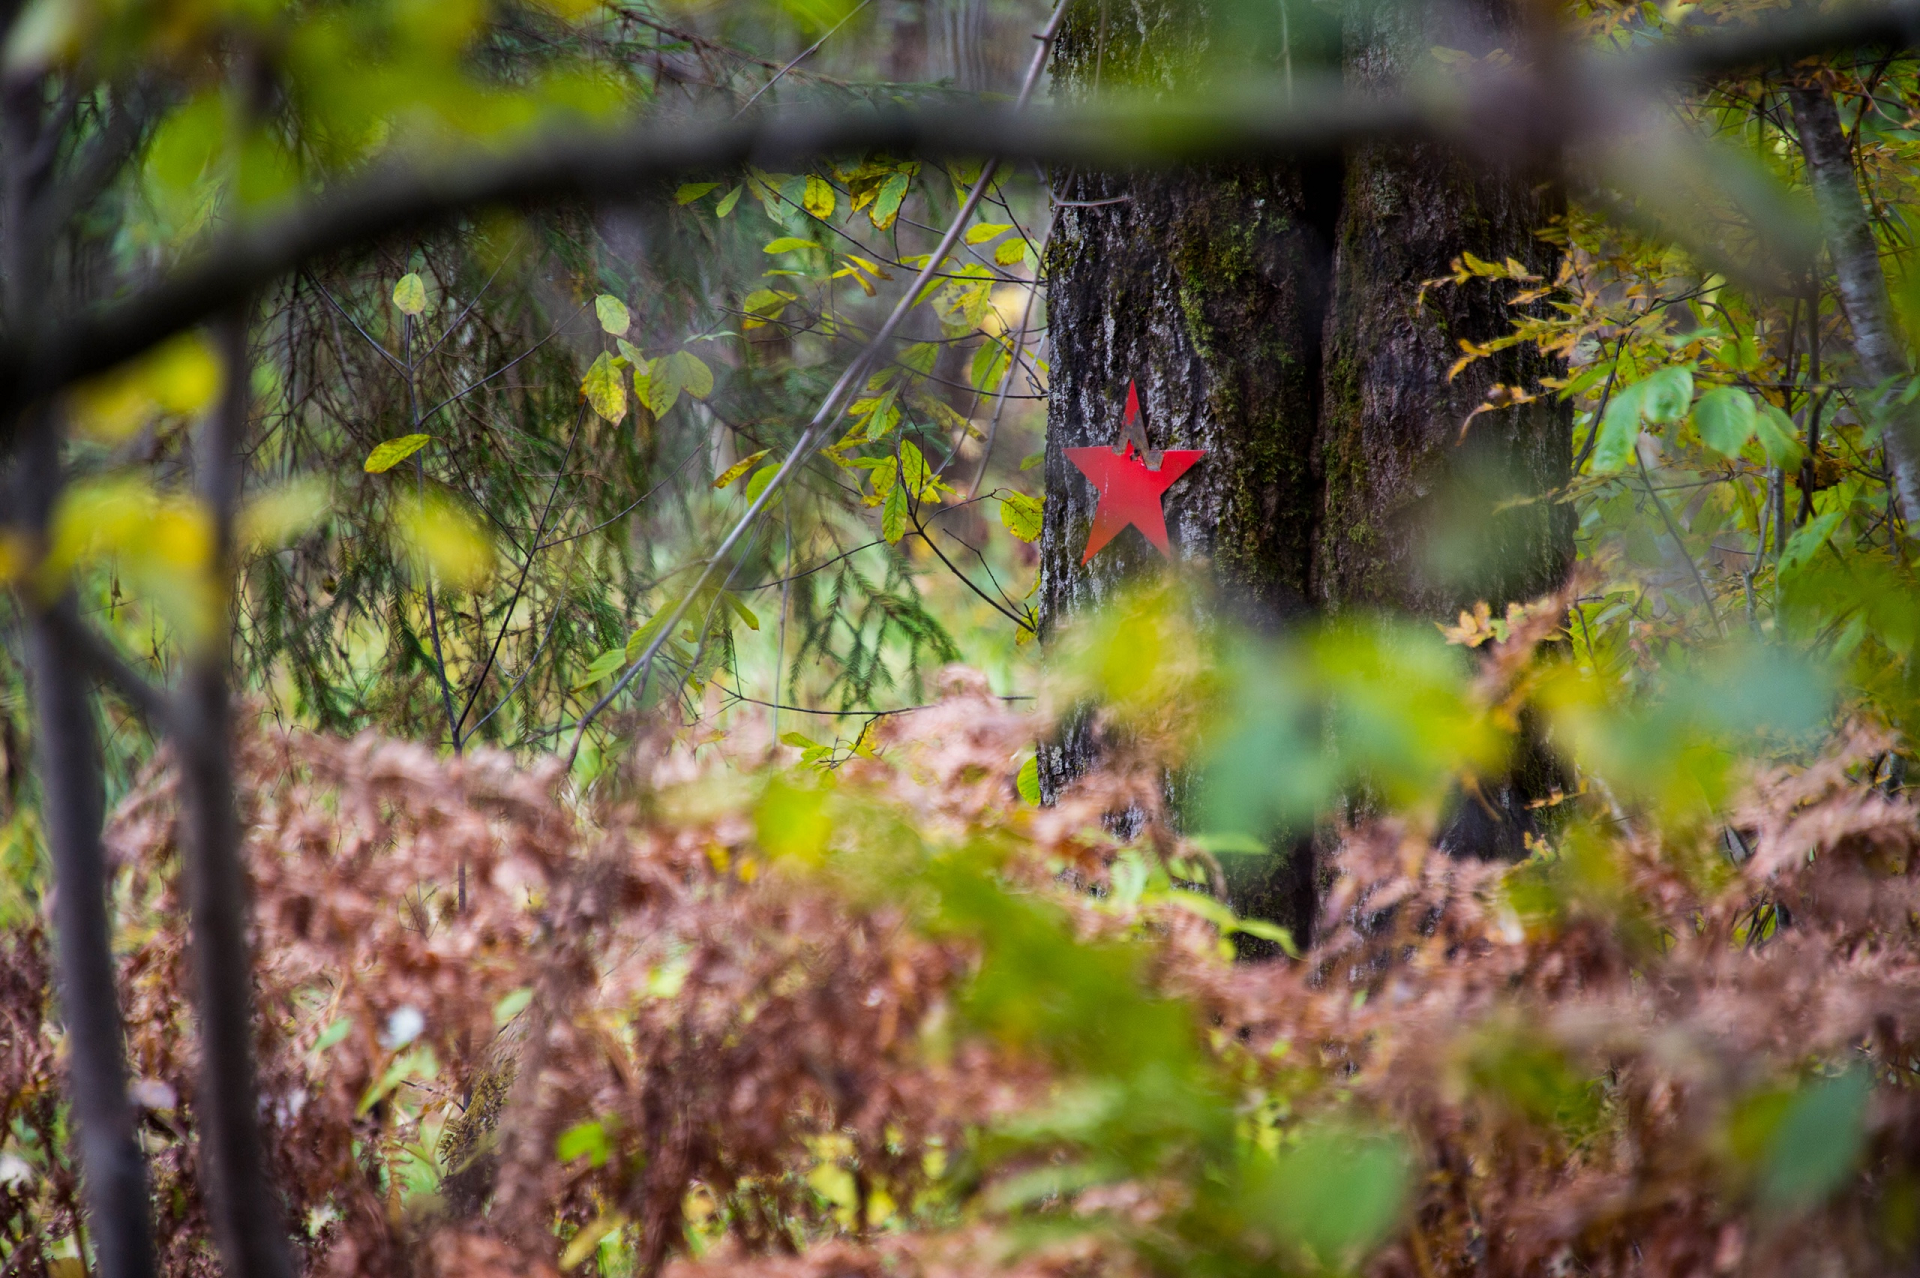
x: 403, y: 1027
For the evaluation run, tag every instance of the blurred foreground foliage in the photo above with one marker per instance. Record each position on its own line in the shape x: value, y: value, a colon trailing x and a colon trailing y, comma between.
x: 880, y: 1015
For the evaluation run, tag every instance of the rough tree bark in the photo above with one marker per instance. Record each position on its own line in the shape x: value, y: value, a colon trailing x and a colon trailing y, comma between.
x: 1274, y: 316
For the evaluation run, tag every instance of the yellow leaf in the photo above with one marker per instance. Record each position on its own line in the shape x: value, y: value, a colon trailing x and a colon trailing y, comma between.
x: 605, y: 387
x: 162, y: 542
x: 181, y: 377
x: 1012, y: 253
x: 739, y: 468
x: 389, y: 453
x: 987, y: 230
x: 446, y: 538
x: 410, y: 295
x: 819, y: 198
x: 278, y: 515
x: 613, y: 314
x: 1022, y: 515
x: 588, y: 1240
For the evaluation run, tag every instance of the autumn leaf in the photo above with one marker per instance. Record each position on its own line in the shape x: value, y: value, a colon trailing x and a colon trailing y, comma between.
x: 605, y: 387
x: 819, y: 199
x: 410, y: 295
x: 1022, y: 515
x: 390, y: 453
x: 893, y: 515
x: 886, y: 205
x: 613, y: 314
x: 739, y: 468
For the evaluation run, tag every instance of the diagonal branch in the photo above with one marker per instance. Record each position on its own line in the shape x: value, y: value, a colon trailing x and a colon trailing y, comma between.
x: 149, y: 702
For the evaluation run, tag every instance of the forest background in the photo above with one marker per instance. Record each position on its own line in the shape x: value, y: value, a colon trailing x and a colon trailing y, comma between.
x: 554, y: 720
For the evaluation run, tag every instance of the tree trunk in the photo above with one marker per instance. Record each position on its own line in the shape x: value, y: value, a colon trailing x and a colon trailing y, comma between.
x: 246, y: 1213
x: 1274, y: 317
x: 67, y: 757
x: 1862, y: 282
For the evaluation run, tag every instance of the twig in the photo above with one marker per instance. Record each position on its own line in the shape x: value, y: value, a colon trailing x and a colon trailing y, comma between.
x: 1666, y: 515
x: 149, y: 702
x: 526, y: 566
x: 800, y: 57
x: 829, y: 410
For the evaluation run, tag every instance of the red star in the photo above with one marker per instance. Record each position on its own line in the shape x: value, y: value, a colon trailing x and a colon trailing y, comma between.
x: 1129, y: 490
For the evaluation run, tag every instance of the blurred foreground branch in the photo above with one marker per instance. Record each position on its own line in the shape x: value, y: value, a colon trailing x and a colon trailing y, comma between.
x: 1509, y: 113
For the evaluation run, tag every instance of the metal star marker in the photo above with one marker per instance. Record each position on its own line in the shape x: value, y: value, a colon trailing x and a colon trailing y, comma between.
x: 1130, y: 489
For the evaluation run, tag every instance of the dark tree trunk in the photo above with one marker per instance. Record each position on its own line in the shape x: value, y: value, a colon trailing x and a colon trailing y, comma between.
x: 67, y: 757
x: 1407, y: 496
x: 1274, y: 317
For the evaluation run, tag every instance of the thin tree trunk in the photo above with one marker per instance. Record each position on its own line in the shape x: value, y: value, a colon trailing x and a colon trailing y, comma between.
x: 1862, y: 282
x: 67, y: 758
x: 246, y: 1213
x: 68, y: 761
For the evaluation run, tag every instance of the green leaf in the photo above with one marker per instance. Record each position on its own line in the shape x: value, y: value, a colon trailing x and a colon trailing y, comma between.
x: 584, y: 1140
x: 740, y: 608
x: 1726, y: 420
x: 915, y: 474
x: 513, y: 1004
x: 1818, y: 1141
x: 1779, y: 438
x: 663, y: 385
x: 739, y: 468
x: 727, y: 201
x: 1027, y: 782
x: 819, y: 199
x: 391, y: 452
x: 605, y: 387
x: 694, y: 376
x: 1806, y: 542
x: 758, y: 484
x: 607, y: 663
x: 1022, y: 515
x: 893, y: 515
x: 410, y: 295
x: 764, y: 304
x: 1619, y: 431
x: 419, y: 1062
x: 613, y: 314
x: 788, y: 244
x: 882, y: 413
x: 691, y: 191
x: 986, y: 231
x: 989, y: 365
x: 1666, y: 395
x: 332, y: 1034
x: 1266, y: 931
x: 886, y: 204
